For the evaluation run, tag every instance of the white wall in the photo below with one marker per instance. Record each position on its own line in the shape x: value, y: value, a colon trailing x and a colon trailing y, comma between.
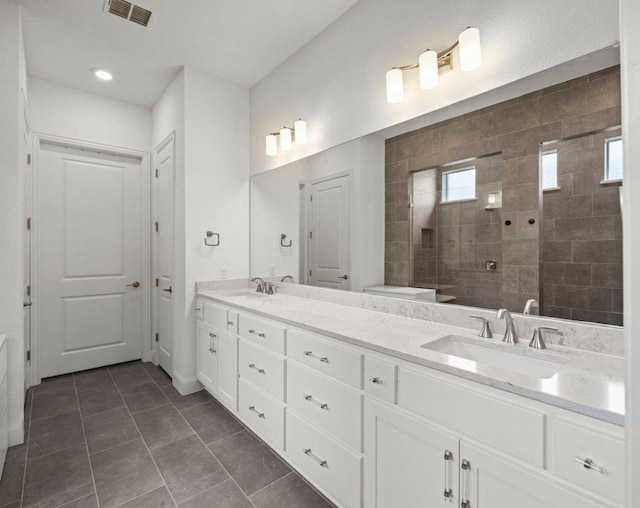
x: 12, y: 72
x: 336, y: 82
x: 216, y: 191
x: 629, y: 20
x: 66, y: 112
x: 211, y: 120
x: 275, y: 209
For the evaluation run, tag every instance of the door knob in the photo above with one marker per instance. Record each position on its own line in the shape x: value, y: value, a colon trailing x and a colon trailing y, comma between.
x: 135, y: 284
x: 345, y: 277
x: 169, y: 289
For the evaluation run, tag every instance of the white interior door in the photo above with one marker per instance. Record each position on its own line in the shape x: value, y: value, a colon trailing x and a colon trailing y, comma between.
x: 329, y: 233
x: 89, y: 257
x: 25, y: 161
x: 165, y: 164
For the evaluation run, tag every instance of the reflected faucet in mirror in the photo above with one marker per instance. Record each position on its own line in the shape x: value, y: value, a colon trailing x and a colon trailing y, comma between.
x: 284, y: 279
x: 531, y: 305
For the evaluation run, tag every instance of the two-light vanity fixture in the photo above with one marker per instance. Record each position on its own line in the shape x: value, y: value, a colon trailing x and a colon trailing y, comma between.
x: 431, y: 64
x: 287, y: 136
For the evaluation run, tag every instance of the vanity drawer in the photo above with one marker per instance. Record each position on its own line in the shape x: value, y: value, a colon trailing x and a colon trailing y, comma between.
x: 330, y: 405
x: 572, y: 442
x: 220, y: 316
x: 494, y: 421
x: 333, y: 468
x: 263, y: 368
x: 380, y: 378
x: 262, y: 331
x: 320, y: 354
x: 262, y: 413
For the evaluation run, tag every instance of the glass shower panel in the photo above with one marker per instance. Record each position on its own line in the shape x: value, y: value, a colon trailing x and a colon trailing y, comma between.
x: 457, y: 244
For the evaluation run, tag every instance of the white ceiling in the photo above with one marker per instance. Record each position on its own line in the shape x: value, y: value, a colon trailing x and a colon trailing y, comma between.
x: 238, y: 40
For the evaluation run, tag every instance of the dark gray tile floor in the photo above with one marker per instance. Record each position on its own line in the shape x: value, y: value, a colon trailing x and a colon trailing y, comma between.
x: 123, y: 436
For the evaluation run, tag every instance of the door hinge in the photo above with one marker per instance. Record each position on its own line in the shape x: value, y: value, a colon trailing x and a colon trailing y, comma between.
x: 156, y: 226
x: 311, y: 234
x: 28, y: 290
x: 28, y: 356
x: 29, y: 223
x: 157, y: 337
x: 28, y: 158
x: 311, y: 198
x: 156, y: 172
x: 157, y: 282
x: 310, y: 273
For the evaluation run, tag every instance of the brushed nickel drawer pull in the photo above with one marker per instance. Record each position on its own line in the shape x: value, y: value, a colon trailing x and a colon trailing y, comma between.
x: 323, y: 359
x: 588, y: 464
x: 323, y: 463
x: 448, y: 491
x: 260, y: 415
x: 212, y: 349
x: 322, y: 405
x: 259, y: 334
x: 253, y: 366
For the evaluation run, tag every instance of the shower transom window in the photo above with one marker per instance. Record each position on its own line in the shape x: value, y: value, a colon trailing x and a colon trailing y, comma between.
x: 459, y: 185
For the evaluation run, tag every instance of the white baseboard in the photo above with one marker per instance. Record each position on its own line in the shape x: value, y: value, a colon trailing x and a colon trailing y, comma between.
x: 186, y: 386
x: 16, y: 432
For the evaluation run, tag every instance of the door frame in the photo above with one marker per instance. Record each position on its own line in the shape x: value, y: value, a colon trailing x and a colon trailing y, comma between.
x: 305, y: 193
x: 145, y: 254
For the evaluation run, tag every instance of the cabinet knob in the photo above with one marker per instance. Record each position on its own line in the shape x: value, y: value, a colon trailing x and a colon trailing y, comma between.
x: 376, y: 381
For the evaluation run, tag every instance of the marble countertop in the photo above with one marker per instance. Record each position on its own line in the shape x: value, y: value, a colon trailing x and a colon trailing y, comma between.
x: 588, y: 383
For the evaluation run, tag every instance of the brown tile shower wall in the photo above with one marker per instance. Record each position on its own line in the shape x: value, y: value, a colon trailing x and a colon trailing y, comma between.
x: 582, y: 237
x: 515, y: 128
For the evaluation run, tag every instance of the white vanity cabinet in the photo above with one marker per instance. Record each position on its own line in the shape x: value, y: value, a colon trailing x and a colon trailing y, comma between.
x: 373, y: 431
x: 217, y: 355
x: 407, y: 462
x: 489, y: 479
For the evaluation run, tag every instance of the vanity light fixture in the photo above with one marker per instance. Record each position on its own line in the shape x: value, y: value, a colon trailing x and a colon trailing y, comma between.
x: 288, y: 135
x: 102, y: 74
x: 432, y: 64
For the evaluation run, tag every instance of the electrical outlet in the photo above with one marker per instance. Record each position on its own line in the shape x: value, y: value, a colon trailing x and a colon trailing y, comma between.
x: 272, y: 270
x: 224, y: 272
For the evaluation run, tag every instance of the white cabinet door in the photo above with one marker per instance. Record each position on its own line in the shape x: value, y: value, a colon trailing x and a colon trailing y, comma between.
x: 206, y: 359
x: 491, y: 480
x: 226, y: 347
x: 407, y: 463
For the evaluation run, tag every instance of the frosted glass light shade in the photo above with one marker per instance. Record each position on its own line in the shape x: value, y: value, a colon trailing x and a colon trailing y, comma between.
x: 285, y: 138
x: 395, y: 90
x: 470, y: 49
x: 272, y: 145
x: 428, y: 63
x: 300, y: 127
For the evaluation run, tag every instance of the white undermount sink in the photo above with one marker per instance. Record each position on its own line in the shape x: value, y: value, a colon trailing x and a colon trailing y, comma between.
x: 468, y: 354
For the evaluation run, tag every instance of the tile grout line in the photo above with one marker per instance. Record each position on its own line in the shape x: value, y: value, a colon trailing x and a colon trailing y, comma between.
x: 144, y: 443
x: 26, y: 449
x: 86, y: 443
x: 209, y: 450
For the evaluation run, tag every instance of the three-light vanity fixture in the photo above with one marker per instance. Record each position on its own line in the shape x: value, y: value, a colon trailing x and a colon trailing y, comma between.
x: 288, y: 135
x: 431, y: 64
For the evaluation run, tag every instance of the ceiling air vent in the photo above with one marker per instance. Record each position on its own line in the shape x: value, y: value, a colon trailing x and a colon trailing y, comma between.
x: 129, y: 11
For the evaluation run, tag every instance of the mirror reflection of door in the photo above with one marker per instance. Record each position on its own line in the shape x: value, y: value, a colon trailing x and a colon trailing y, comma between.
x: 329, y: 233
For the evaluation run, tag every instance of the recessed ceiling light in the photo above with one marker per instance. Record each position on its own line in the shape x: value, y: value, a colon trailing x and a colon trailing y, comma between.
x: 102, y: 74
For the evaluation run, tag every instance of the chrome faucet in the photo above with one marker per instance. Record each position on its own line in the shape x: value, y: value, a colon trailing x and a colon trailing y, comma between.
x: 284, y: 279
x: 261, y: 284
x: 531, y: 304
x: 510, y: 335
